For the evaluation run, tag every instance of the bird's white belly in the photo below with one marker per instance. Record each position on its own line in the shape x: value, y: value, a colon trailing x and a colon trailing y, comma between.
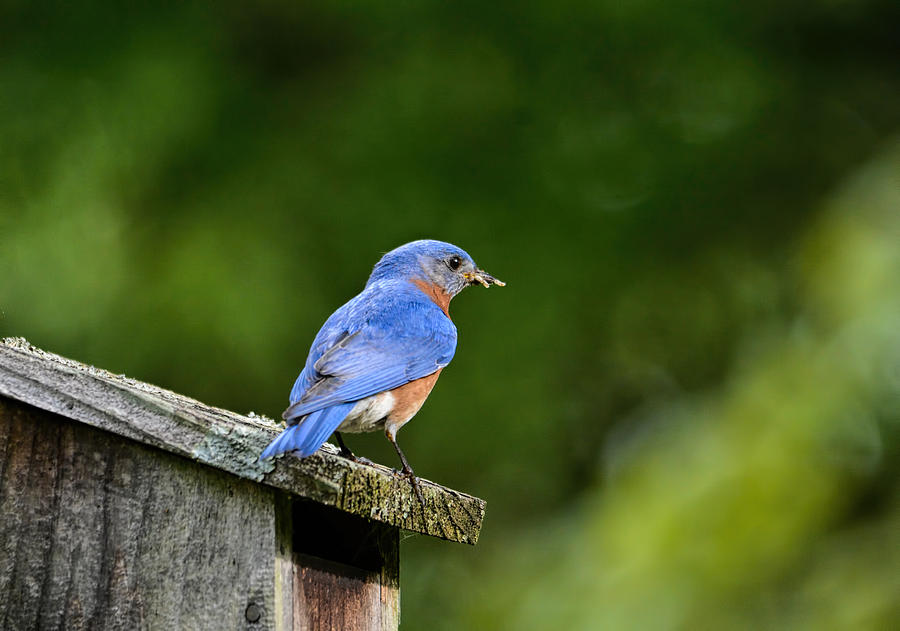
x: 368, y: 414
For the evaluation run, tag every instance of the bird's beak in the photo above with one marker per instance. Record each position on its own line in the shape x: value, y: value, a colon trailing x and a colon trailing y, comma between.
x: 480, y: 276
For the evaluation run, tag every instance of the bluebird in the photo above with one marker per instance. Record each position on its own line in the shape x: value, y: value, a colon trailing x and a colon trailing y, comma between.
x: 376, y: 359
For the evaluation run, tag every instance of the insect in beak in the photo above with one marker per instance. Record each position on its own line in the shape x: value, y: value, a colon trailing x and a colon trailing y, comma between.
x: 480, y: 276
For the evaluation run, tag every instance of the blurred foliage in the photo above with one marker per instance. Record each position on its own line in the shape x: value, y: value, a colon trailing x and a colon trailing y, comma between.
x: 683, y: 410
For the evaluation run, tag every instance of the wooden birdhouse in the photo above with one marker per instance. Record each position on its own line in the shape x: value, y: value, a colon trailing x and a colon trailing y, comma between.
x: 126, y: 506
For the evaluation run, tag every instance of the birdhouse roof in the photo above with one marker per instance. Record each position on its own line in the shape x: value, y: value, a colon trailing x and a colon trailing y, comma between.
x: 230, y: 442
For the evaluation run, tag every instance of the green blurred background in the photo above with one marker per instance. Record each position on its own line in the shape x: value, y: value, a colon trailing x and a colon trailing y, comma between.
x: 683, y: 408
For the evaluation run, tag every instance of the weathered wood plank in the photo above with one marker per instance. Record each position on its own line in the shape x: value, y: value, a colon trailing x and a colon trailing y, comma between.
x: 229, y: 442
x: 100, y: 532
x: 347, y: 574
x: 335, y: 596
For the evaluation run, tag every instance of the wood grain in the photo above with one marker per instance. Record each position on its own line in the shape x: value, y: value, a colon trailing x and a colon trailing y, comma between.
x: 347, y: 572
x: 229, y: 442
x: 99, y: 532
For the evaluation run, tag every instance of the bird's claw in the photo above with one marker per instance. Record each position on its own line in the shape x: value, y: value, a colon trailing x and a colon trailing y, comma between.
x: 358, y: 459
x: 406, y: 472
x: 349, y: 455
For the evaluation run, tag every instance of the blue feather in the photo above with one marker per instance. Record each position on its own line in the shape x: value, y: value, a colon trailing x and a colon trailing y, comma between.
x: 307, y: 436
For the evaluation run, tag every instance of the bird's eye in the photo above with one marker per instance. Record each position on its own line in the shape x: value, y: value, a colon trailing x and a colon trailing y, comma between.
x: 453, y: 263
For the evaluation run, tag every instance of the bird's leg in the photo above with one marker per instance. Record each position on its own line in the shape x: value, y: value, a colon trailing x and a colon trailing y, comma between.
x: 407, y: 470
x: 346, y: 453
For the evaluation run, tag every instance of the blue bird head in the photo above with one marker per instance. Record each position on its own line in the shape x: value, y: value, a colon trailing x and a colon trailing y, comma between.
x: 437, y: 263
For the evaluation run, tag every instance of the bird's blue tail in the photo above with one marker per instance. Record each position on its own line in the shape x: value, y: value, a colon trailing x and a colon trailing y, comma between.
x: 309, y: 434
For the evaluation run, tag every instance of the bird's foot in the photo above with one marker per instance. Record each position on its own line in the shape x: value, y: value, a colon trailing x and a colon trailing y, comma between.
x: 407, y: 472
x: 349, y: 455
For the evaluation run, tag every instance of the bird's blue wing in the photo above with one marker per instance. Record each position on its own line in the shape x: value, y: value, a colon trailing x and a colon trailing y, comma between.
x: 398, y: 342
x: 337, y: 327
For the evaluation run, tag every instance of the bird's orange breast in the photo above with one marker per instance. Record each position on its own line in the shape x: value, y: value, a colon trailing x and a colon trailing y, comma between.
x: 409, y: 397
